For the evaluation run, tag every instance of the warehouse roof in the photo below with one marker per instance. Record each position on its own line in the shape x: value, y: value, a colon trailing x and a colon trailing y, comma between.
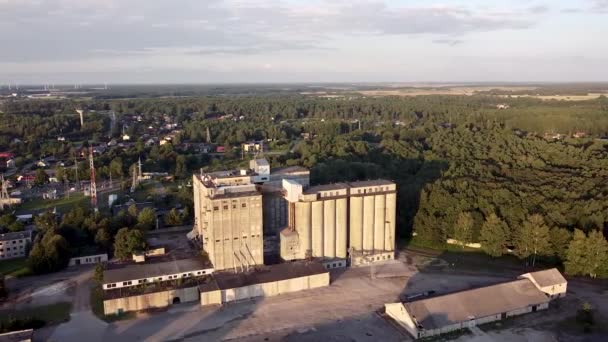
x: 326, y: 187
x: 437, y: 312
x: 375, y: 182
x: 288, y: 170
x: 16, y: 336
x: 270, y: 273
x: 15, y: 235
x: 133, y: 271
x: 546, y: 278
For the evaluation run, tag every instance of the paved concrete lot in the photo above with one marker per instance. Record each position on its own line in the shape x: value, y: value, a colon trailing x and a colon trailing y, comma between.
x: 349, y: 306
x: 347, y: 310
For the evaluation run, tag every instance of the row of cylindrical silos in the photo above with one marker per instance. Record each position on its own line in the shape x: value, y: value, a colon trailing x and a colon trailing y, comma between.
x: 328, y: 227
x: 322, y: 227
x: 372, y: 222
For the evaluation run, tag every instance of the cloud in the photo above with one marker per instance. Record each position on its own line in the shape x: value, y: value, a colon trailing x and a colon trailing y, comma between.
x: 599, y: 6
x: 59, y: 30
x: 539, y: 9
x: 450, y: 42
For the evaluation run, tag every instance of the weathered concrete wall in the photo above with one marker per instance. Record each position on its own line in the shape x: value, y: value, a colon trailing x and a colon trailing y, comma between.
x: 368, y: 223
x: 317, y: 229
x: 391, y: 218
x: 379, y: 221
x: 150, y: 300
x: 211, y: 298
x: 275, y: 213
x: 268, y: 289
x: 329, y: 228
x: 341, y: 227
x: 356, y: 223
x: 397, y: 312
x: 303, y: 227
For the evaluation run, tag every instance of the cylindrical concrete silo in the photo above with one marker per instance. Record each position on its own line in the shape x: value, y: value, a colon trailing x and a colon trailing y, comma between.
x: 356, y: 223
x: 341, y: 222
x: 329, y: 228
x: 391, y: 212
x: 379, y: 213
x: 368, y: 222
x: 303, y: 227
x: 317, y: 229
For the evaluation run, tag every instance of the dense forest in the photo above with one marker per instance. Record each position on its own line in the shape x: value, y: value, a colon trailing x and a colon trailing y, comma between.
x: 452, y: 156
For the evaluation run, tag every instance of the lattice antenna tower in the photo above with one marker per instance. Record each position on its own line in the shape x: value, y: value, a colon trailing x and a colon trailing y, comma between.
x: 4, y: 193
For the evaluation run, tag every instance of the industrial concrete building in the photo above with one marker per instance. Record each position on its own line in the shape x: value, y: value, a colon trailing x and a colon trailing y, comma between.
x: 335, y: 221
x: 272, y: 280
x: 239, y: 214
x: 157, y: 283
x: 88, y: 259
x: 274, y: 204
x: 228, y: 218
x: 132, y: 274
x: 442, y: 314
x: 15, y: 244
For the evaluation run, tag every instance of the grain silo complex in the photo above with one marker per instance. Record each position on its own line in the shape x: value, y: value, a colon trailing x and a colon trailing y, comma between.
x: 336, y: 221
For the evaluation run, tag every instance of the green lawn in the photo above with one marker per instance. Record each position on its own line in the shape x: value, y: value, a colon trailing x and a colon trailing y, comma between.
x: 49, y: 314
x: 472, y: 259
x: 14, y: 267
x: 62, y: 204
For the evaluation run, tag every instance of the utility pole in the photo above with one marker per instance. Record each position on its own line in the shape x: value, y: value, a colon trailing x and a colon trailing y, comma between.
x: 93, y: 189
x: 139, y: 173
x: 76, y: 174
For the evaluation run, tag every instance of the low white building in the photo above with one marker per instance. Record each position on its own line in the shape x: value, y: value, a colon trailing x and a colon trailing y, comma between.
x: 550, y: 281
x: 15, y: 244
x: 131, y: 274
x: 88, y: 259
x: 442, y: 314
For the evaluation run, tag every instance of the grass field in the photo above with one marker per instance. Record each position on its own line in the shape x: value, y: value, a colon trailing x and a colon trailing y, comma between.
x: 14, y: 267
x: 50, y: 314
x: 63, y: 204
x: 446, y: 90
x: 565, y: 97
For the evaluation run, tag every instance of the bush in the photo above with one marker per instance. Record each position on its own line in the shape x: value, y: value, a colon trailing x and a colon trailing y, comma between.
x: 584, y: 317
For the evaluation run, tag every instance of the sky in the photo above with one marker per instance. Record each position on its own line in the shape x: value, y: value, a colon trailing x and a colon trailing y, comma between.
x: 286, y: 41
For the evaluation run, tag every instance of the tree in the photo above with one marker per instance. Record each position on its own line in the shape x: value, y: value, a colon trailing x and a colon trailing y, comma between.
x: 98, y: 273
x: 174, y: 218
x: 102, y: 238
x: 493, y: 235
x: 576, y: 254
x: 46, y: 221
x: 60, y: 173
x: 597, y: 254
x: 146, y: 219
x: 463, y: 229
x: 10, y: 222
x: 116, y: 167
x: 560, y: 239
x: 41, y: 177
x: 128, y: 241
x: 180, y: 166
x: 132, y: 210
x: 532, y: 238
x: 3, y: 290
x: 49, y: 254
